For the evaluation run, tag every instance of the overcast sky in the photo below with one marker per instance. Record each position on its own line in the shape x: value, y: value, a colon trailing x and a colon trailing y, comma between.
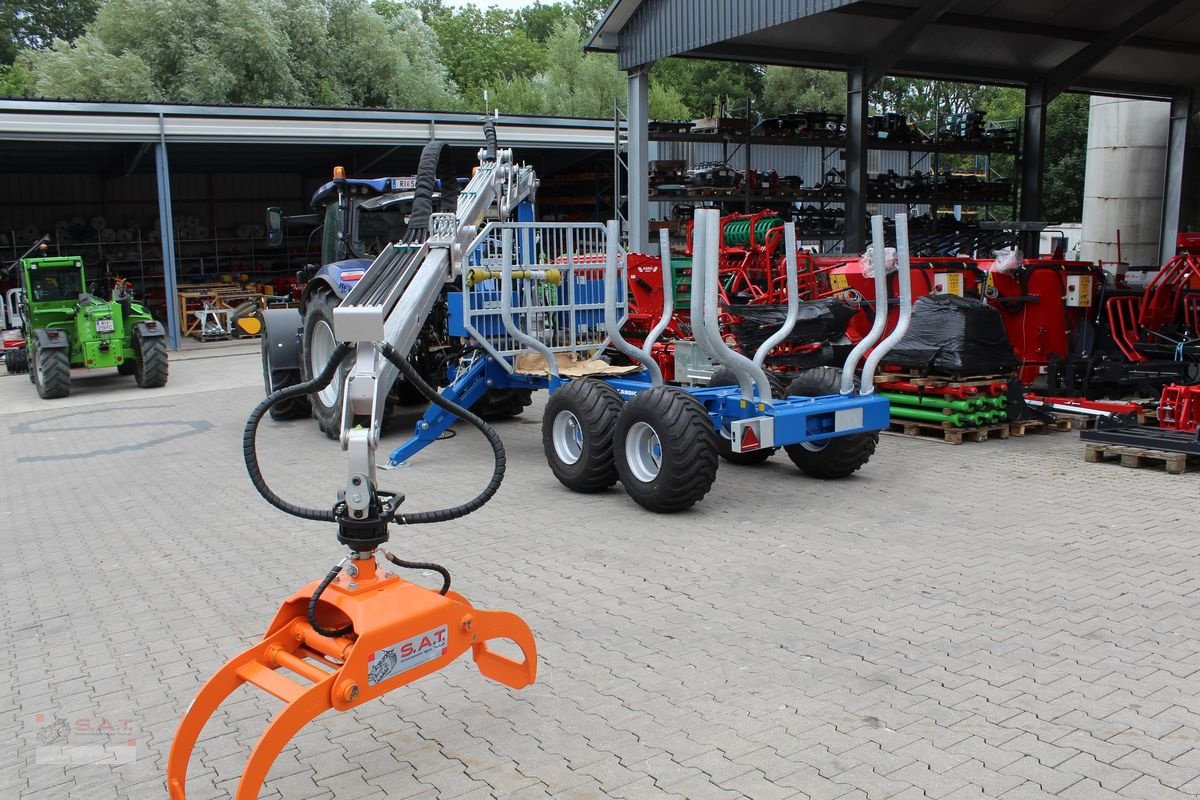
x: 509, y: 4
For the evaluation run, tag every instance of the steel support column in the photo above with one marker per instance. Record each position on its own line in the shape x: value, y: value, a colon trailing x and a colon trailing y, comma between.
x: 639, y: 159
x: 856, y: 160
x: 1173, y: 180
x: 1033, y: 154
x: 167, y: 230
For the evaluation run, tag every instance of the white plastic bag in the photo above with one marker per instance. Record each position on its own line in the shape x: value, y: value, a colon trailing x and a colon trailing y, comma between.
x: 867, y: 261
x: 1007, y: 260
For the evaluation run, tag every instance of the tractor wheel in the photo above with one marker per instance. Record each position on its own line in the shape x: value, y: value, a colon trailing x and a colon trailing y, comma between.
x: 318, y: 344
x: 51, y: 373
x: 296, y: 407
x: 577, y: 434
x: 841, y: 456
x: 127, y: 367
x: 666, y: 449
x: 500, y: 404
x: 150, y: 368
x: 725, y: 377
x: 16, y: 360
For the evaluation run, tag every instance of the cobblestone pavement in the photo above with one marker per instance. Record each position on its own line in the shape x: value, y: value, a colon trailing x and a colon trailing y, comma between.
x: 993, y: 620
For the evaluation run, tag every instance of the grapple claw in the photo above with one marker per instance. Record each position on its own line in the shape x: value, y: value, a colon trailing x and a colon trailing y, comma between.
x: 401, y: 632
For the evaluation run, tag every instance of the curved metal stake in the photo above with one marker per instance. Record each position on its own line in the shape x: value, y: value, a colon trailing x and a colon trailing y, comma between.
x: 793, y: 301
x: 905, y: 279
x: 668, y: 278
x: 612, y: 324
x: 749, y: 374
x: 879, y: 264
x: 506, y: 310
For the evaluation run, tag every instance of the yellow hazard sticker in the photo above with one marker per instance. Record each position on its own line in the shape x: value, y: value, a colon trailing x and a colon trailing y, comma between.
x: 954, y: 284
x: 838, y: 282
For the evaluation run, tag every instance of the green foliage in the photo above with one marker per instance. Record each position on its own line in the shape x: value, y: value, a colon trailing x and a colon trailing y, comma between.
x: 666, y: 102
x: 14, y: 81
x: 787, y: 89
x: 704, y: 85
x: 292, y: 52
x: 35, y: 24
x: 1066, y: 152
x: 87, y: 69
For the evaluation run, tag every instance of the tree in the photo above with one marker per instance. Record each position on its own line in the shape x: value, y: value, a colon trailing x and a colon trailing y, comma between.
x: 294, y: 52
x: 703, y: 85
x: 35, y: 24
x: 787, y: 89
x: 1066, y: 154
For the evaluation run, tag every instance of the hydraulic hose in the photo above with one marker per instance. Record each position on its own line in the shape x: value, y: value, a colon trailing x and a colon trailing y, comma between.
x: 250, y: 434
x: 438, y: 568
x: 332, y: 633
x: 446, y: 514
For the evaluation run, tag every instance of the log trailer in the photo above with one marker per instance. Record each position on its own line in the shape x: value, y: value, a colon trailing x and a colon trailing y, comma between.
x: 541, y: 304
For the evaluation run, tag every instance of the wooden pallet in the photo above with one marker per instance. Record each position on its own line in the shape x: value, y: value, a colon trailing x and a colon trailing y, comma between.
x: 1077, y: 422
x: 938, y: 380
x: 1024, y: 426
x: 1135, y: 457
x: 948, y: 433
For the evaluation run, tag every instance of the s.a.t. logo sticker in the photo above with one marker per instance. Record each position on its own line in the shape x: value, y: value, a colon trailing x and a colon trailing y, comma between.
x: 403, y: 656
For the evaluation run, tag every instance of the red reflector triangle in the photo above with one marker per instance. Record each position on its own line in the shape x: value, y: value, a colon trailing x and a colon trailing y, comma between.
x: 749, y: 439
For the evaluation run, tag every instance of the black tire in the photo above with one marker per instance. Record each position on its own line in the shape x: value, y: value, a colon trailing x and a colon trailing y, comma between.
x: 725, y: 377
x: 318, y: 322
x: 500, y: 404
x: 52, y: 373
x: 834, y: 458
x: 16, y: 360
x: 296, y: 407
x: 127, y: 367
x: 681, y: 467
x: 150, y: 369
x: 577, y: 434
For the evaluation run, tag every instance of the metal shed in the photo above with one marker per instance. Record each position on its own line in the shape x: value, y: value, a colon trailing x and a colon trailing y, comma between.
x: 1143, y: 49
x: 85, y: 158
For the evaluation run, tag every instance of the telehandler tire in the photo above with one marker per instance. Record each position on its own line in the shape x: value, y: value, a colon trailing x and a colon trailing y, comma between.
x: 51, y: 373
x: 150, y: 368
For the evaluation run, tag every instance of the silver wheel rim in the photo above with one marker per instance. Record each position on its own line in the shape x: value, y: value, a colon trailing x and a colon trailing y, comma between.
x: 320, y: 348
x: 815, y: 447
x: 567, y: 435
x: 643, y: 452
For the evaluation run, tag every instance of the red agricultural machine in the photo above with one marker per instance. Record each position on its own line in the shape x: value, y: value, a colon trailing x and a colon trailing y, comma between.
x: 1076, y: 330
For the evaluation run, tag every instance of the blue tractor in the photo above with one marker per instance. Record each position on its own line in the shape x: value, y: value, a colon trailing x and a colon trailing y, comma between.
x: 357, y: 219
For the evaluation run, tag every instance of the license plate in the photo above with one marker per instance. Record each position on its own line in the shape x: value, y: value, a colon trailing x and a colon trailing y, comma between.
x: 104, y: 326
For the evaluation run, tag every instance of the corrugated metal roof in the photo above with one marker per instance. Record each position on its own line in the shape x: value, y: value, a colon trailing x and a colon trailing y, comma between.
x: 39, y: 120
x: 1016, y: 41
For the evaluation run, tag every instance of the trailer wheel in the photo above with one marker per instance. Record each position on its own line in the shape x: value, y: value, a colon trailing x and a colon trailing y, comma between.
x: 725, y: 377
x: 150, y: 369
x: 318, y: 346
x: 16, y: 360
x: 666, y: 449
x: 577, y: 434
x: 500, y: 404
x: 51, y: 373
x: 840, y: 456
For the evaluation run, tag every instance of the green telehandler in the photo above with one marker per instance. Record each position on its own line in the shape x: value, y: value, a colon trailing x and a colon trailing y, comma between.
x: 66, y: 326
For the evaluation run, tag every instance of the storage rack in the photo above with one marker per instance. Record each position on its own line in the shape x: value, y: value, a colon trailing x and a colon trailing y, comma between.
x: 919, y: 152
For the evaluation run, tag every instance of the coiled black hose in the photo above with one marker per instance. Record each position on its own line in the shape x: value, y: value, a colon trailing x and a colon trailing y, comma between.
x: 332, y: 633
x: 429, y: 565
x: 250, y: 433
x: 446, y: 514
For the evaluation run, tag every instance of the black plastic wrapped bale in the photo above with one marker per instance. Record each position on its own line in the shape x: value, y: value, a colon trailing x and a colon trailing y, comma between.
x: 951, y: 334
x: 816, y: 321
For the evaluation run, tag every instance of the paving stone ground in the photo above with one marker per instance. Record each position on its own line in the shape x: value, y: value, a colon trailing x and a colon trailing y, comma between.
x: 996, y: 620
